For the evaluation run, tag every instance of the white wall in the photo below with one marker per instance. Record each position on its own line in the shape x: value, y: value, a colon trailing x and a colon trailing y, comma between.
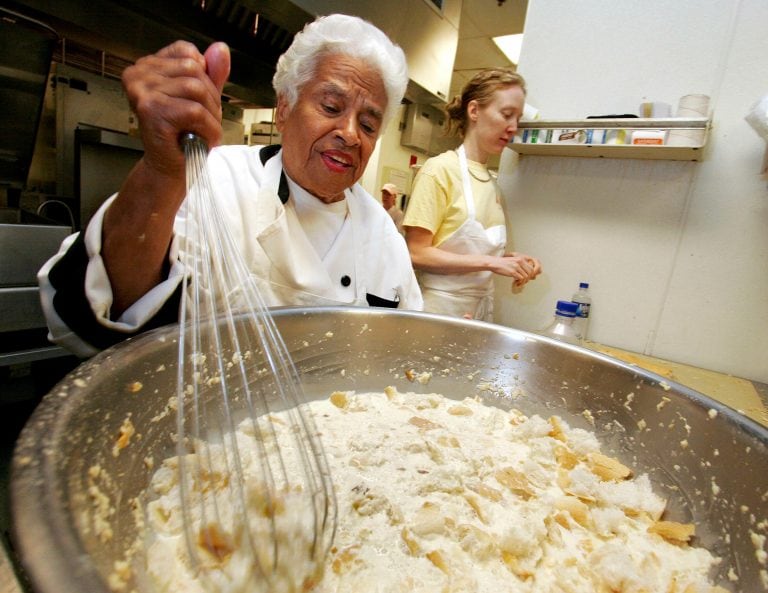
x: 676, y: 253
x: 390, y: 159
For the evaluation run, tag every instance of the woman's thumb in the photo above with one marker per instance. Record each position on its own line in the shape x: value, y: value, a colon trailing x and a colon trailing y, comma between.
x: 217, y: 63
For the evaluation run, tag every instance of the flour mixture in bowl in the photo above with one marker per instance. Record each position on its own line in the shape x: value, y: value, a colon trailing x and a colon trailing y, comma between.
x: 437, y: 495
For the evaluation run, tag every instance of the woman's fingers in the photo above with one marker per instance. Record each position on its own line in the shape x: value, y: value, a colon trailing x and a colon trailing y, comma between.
x: 174, y: 91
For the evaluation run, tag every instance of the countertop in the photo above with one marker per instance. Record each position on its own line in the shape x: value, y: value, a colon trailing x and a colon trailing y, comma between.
x: 748, y: 397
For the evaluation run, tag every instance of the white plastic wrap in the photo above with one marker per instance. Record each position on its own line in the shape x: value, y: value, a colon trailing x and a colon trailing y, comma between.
x: 758, y: 117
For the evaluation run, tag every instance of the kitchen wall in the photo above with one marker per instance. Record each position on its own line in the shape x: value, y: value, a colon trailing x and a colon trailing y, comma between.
x: 390, y: 161
x: 676, y: 253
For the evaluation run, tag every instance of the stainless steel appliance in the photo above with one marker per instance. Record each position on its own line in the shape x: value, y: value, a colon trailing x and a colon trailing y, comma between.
x: 25, y: 248
x: 689, y: 444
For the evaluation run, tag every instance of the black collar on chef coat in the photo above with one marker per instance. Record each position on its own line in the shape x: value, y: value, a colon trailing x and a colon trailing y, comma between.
x: 283, y: 192
x: 267, y: 153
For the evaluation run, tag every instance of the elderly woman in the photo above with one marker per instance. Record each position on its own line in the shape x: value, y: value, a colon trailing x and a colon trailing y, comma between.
x: 308, y: 232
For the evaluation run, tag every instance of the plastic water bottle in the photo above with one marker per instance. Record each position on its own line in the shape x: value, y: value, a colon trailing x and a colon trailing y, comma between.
x: 584, y: 301
x: 562, y: 327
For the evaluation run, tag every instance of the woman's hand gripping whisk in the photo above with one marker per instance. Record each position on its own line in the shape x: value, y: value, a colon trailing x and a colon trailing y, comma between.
x: 257, y: 503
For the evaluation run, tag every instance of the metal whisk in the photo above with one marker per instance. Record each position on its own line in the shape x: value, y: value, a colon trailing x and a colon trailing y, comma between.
x: 257, y: 504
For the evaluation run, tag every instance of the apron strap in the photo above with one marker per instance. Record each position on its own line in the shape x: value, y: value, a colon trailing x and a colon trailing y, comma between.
x: 267, y: 153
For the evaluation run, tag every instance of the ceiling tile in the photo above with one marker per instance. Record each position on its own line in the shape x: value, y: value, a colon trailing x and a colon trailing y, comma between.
x: 480, y: 21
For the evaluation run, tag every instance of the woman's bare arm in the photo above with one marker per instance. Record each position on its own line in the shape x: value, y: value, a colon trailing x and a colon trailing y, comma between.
x: 174, y: 91
x: 424, y: 256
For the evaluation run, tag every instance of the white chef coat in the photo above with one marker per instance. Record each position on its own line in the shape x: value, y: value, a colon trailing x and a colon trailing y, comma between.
x: 472, y: 293
x: 368, y: 262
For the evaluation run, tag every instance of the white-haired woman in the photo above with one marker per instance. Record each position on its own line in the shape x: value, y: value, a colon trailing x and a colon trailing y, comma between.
x: 454, y: 222
x: 309, y: 233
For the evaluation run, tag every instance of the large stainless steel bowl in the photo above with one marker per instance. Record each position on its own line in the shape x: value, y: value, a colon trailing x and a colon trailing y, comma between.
x: 710, y: 461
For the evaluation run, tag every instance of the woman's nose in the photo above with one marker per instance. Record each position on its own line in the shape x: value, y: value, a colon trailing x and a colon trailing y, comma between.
x: 349, y: 130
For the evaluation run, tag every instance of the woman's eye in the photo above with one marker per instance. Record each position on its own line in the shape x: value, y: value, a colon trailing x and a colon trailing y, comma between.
x: 330, y: 109
x: 368, y: 127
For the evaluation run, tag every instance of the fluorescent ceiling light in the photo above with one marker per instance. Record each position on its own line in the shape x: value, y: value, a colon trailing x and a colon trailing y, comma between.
x: 510, y: 46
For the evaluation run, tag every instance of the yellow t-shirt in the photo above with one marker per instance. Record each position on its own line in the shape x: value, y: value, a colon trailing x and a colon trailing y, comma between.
x: 437, y: 198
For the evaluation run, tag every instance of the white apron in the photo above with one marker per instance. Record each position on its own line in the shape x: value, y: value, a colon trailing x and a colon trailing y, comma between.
x: 296, y: 274
x: 472, y: 293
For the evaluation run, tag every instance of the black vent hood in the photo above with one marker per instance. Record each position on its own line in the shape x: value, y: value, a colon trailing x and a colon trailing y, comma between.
x: 26, y: 47
x: 257, y: 31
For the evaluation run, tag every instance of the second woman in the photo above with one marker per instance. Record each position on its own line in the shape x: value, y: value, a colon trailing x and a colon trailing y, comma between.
x: 454, y: 222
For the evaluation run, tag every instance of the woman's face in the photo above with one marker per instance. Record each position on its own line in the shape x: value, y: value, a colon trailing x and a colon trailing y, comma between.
x: 331, y: 131
x: 495, y: 123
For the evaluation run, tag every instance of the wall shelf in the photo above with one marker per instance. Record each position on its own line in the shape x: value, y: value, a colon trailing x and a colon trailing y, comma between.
x: 616, y: 151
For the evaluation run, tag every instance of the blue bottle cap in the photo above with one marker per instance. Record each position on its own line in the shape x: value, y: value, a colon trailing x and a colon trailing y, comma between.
x: 583, y: 284
x: 567, y: 308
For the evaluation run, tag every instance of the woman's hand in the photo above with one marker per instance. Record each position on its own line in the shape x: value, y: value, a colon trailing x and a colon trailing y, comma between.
x: 174, y: 91
x: 518, y: 266
x: 177, y: 90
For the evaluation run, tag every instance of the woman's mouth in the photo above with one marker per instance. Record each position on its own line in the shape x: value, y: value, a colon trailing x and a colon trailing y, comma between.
x: 336, y: 161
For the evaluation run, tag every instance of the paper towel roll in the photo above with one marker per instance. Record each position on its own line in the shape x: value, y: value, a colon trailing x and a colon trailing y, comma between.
x: 694, y: 138
x: 693, y: 104
x: 686, y: 112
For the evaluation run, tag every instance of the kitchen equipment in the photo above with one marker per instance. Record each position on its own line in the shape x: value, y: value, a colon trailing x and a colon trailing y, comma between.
x: 232, y: 371
x: 27, y: 239
x: 26, y: 48
x: 689, y: 444
x: 26, y: 243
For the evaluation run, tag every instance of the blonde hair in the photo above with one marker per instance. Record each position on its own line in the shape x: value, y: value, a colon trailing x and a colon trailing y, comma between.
x: 480, y: 88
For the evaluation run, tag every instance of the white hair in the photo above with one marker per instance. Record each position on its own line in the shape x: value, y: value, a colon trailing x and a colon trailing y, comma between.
x: 347, y: 35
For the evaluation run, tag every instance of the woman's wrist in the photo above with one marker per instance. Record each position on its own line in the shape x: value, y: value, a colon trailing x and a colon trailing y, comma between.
x: 490, y: 264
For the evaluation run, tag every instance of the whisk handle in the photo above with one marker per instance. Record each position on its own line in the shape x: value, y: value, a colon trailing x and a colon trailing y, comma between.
x: 191, y: 139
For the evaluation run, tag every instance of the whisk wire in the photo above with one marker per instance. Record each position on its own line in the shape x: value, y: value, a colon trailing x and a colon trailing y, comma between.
x: 230, y: 355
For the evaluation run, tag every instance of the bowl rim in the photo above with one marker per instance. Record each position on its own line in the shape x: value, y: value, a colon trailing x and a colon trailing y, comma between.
x: 39, y: 529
